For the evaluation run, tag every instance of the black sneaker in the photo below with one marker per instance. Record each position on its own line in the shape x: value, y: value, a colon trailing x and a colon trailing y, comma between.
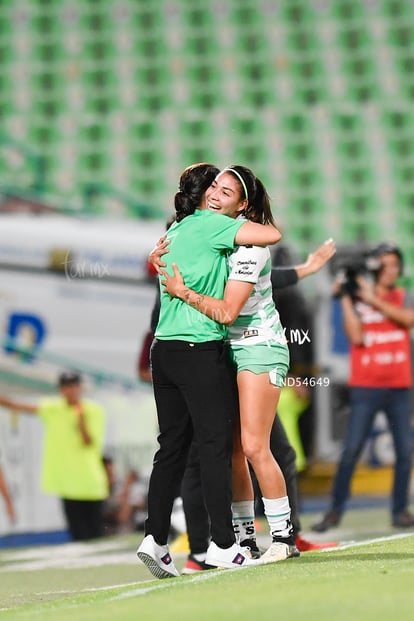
x: 252, y: 546
x: 403, y: 520
x: 329, y: 520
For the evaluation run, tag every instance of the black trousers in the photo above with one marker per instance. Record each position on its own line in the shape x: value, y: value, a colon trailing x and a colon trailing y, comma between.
x: 84, y: 518
x: 195, y: 398
x: 196, y: 515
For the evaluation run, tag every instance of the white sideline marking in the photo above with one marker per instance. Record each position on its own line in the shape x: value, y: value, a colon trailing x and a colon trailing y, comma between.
x: 89, y: 589
x: 168, y: 582
x: 365, y: 542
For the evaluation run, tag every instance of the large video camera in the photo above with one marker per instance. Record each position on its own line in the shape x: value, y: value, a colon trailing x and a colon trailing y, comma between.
x: 349, y: 264
x: 353, y: 261
x: 367, y: 267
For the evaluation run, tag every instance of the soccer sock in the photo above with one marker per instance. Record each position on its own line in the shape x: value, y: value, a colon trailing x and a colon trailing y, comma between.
x: 243, y: 520
x: 201, y: 557
x: 277, y: 512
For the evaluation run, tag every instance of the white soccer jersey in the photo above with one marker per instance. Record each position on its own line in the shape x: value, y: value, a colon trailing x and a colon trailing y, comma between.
x: 259, y: 320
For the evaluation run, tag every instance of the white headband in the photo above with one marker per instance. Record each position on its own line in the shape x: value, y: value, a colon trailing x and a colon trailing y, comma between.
x: 240, y: 178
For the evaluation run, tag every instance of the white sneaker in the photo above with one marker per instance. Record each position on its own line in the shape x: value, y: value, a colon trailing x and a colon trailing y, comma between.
x: 234, y: 557
x: 157, y: 558
x: 278, y: 551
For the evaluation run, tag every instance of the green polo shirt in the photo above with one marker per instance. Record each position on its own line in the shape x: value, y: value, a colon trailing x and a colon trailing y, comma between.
x: 72, y: 470
x: 199, y: 245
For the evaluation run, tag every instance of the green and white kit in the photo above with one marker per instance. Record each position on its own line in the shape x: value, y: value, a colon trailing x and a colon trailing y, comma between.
x: 258, y: 323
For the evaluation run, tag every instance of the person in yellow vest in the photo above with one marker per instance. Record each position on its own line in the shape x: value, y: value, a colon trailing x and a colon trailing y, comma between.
x: 72, y: 460
x: 293, y: 401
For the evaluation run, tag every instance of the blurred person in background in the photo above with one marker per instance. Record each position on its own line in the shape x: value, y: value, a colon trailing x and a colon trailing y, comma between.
x: 127, y: 500
x: 7, y: 497
x: 297, y: 318
x: 143, y: 362
x: 72, y: 461
x: 377, y: 320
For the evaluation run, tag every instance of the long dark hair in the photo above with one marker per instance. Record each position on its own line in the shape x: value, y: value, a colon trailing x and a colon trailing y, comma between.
x: 258, y: 207
x: 194, y: 181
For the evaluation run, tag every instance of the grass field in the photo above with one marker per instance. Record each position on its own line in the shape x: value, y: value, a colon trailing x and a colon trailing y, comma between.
x: 369, y: 577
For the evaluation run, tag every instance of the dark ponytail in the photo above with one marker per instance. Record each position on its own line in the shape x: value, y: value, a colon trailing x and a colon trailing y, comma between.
x: 184, y: 205
x: 260, y: 210
x: 194, y: 181
x: 258, y: 207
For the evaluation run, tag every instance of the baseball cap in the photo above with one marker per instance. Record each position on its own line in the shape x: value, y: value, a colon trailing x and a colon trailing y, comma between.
x: 69, y: 377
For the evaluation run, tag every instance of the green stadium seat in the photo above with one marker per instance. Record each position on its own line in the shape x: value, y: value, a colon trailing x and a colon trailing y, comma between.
x: 300, y: 152
x: 306, y: 232
x: 357, y: 177
x: 196, y: 144
x: 305, y: 181
x: 145, y: 133
x: 257, y: 82
x: 348, y: 11
x: 147, y: 18
x: 247, y: 127
x: 297, y: 124
x: 199, y: 16
x: 303, y: 41
x: 402, y: 148
x: 362, y: 79
x: 309, y: 80
x: 295, y: 13
x: 152, y: 88
x: 405, y: 65
x: 360, y: 204
x: 348, y: 124
x: 204, y: 91
x: 352, y: 149
x: 245, y: 16
x: 401, y: 38
x: 354, y: 40
x: 397, y: 9
x: 405, y: 201
x: 398, y: 122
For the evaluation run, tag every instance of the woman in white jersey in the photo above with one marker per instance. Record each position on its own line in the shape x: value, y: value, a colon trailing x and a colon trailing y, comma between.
x: 260, y: 354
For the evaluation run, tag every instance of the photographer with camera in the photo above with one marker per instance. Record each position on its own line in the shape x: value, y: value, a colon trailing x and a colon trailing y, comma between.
x: 377, y: 322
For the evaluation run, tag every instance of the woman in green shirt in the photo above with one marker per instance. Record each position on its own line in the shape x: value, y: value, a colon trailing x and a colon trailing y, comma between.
x: 193, y: 387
